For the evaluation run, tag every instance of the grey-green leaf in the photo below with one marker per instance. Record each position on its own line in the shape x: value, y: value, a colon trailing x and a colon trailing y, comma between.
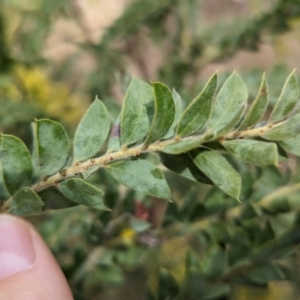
x: 287, y: 100
x: 54, y: 199
x: 251, y: 151
x: 219, y: 171
x: 92, y: 131
x: 292, y: 145
x: 183, y: 165
x: 26, y: 202
x: 164, y: 113
x: 257, y: 108
x: 182, y: 146
x: 134, y: 118
x: 197, y: 113
x: 4, y: 194
x: 228, y: 106
x: 142, y: 176
x: 82, y: 192
x: 214, y: 262
x: 51, y: 147
x: 178, y: 112
x: 286, y: 130
x: 16, y: 163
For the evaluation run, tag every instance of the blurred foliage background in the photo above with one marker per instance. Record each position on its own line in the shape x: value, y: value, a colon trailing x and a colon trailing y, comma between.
x: 55, y: 56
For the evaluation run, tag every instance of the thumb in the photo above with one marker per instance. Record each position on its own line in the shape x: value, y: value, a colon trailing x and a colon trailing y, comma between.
x: 27, y: 268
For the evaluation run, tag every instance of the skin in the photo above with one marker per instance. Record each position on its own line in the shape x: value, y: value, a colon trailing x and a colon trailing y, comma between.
x: 28, y: 270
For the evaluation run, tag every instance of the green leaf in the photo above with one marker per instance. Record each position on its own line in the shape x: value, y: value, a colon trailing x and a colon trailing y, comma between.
x: 4, y: 194
x: 239, y: 247
x: 114, y: 143
x: 197, y: 113
x: 251, y: 151
x: 263, y: 252
x: 289, y: 237
x: 54, y: 199
x: 183, y: 165
x: 92, y: 131
x: 219, y: 171
x: 265, y: 234
x: 26, y: 202
x: 287, y: 100
x: 215, y: 291
x: 214, y: 262
x: 182, y: 146
x: 142, y: 176
x: 82, y: 192
x: 264, y: 273
x: 292, y: 145
x: 164, y: 112
x: 51, y: 147
x: 16, y: 163
x: 228, y: 106
x: 178, y: 112
x: 257, y: 108
x: 218, y: 233
x: 275, y: 206
x: 134, y: 118
x: 284, y: 131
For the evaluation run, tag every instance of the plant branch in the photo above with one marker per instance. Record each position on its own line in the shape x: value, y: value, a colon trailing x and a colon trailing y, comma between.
x: 128, y: 153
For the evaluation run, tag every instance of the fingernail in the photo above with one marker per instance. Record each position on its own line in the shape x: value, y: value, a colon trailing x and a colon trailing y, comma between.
x: 16, y: 246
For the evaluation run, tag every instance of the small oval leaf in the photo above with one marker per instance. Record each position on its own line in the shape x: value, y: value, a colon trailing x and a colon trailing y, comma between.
x: 164, y: 112
x: 251, y: 151
x: 292, y: 145
x: 82, y: 192
x: 182, y: 146
x: 26, y: 202
x: 257, y: 108
x: 286, y: 130
x: 228, y: 106
x: 16, y: 163
x: 178, y: 112
x: 4, y: 194
x: 214, y: 262
x: 51, y: 147
x: 219, y: 171
x: 197, y: 113
x: 183, y: 165
x: 135, y: 122
x: 54, y: 199
x: 92, y: 131
x: 287, y: 100
x: 142, y: 176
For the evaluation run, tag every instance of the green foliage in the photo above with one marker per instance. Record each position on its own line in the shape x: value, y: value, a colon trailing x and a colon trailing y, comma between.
x: 240, y: 243
x: 203, y: 133
x: 228, y: 107
x: 142, y: 176
x: 92, y: 131
x: 191, y: 122
x: 219, y: 171
x: 26, y: 202
x: 135, y: 122
x: 125, y: 238
x: 164, y: 113
x: 49, y: 158
x: 16, y: 163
